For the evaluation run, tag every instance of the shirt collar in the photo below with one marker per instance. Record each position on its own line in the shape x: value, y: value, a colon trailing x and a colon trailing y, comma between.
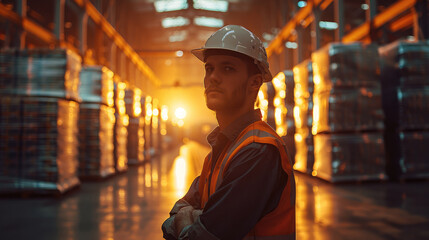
x: 232, y: 131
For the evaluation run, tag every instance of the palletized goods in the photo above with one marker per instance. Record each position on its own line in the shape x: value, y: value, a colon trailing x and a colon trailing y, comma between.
x: 40, y: 72
x: 303, y: 116
x: 348, y: 118
x: 405, y: 88
x: 96, y: 85
x: 38, y: 144
x: 349, y: 157
x: 96, y: 123
x: 348, y: 110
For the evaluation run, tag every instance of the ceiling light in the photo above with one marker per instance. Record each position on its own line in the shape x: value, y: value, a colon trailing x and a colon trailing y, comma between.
x: 211, y: 5
x: 178, y: 36
x: 328, y: 25
x: 292, y: 45
x: 208, y: 22
x: 179, y: 53
x: 170, y: 5
x: 268, y: 36
x: 364, y: 6
x: 302, y: 4
x: 174, y: 22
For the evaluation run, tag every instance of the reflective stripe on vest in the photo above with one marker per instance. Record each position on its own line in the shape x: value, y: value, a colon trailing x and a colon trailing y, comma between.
x: 278, y: 224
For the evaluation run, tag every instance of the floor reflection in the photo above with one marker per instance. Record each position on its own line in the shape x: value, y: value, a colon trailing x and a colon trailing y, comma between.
x: 133, y: 205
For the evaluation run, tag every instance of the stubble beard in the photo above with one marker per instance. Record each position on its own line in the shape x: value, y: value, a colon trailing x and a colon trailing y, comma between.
x: 232, y: 103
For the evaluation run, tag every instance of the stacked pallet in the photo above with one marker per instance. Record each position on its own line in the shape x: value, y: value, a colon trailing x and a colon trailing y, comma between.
x: 347, y: 113
x: 303, y: 117
x: 405, y: 86
x: 96, y: 122
x: 285, y: 124
x: 135, y: 139
x: 120, y: 133
x: 38, y: 120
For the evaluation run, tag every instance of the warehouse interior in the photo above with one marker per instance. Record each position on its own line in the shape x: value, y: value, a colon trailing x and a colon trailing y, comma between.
x: 103, y: 120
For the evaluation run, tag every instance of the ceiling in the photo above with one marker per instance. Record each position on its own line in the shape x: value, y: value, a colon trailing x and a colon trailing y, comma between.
x: 141, y: 25
x: 182, y: 76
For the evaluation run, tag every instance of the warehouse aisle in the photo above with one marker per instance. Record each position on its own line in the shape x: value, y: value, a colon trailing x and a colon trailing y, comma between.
x: 133, y: 206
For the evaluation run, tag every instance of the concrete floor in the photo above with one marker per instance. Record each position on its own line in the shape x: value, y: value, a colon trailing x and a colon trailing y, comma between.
x: 134, y: 205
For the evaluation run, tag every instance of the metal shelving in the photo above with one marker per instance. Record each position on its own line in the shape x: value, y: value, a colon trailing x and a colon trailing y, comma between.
x: 123, y: 59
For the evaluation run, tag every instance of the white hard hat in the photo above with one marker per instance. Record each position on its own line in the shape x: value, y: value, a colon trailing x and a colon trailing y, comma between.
x: 238, y: 39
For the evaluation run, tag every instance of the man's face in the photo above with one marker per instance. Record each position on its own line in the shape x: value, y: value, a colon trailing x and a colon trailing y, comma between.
x: 225, y: 83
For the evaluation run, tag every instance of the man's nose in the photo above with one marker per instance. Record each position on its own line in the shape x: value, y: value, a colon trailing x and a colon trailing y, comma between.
x: 213, y: 78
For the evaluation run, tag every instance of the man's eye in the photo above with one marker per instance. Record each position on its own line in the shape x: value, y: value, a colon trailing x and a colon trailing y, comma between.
x: 209, y: 69
x: 228, y: 68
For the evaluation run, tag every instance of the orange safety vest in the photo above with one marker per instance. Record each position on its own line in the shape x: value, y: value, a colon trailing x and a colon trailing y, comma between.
x: 278, y: 224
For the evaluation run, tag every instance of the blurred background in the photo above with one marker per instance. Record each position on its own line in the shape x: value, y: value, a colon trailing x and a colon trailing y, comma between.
x: 103, y: 121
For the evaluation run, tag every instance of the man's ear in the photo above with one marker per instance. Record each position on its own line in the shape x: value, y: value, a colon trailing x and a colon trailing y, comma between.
x: 255, y: 81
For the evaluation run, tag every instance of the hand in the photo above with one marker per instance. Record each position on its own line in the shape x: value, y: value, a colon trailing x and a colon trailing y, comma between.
x: 196, y: 213
x: 183, y: 218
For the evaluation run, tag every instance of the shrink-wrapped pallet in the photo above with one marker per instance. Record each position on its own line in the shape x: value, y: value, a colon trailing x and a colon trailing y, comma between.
x: 347, y: 110
x: 349, y: 157
x: 290, y: 86
x: 134, y: 104
x: 414, y: 154
x: 96, y: 85
x: 405, y: 82
x: 347, y: 113
x: 413, y: 108
x: 135, y: 140
x: 38, y: 144
x: 304, y: 151
x: 40, y: 72
x: 405, y: 63
x: 120, y: 137
x: 303, y: 116
x: 96, y: 122
x: 120, y: 131
x: 345, y: 66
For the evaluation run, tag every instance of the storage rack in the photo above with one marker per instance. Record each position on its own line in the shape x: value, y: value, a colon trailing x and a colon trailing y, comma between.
x: 23, y: 31
x: 402, y: 16
x: 384, y: 22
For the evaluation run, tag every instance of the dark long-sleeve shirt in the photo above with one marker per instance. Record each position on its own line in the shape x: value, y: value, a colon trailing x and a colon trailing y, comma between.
x: 251, y: 188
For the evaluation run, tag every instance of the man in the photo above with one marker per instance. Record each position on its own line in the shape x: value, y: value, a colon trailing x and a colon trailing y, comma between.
x: 246, y: 189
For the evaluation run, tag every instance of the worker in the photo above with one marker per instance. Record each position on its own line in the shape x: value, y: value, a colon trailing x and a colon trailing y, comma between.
x: 246, y: 189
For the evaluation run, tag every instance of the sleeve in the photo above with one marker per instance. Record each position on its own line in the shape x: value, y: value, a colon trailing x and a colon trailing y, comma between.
x: 251, y: 188
x: 190, y: 199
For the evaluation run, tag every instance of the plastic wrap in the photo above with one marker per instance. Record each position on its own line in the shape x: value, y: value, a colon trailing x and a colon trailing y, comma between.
x: 304, y: 155
x: 349, y: 157
x: 136, y: 141
x: 345, y: 66
x: 96, y: 122
x: 120, y: 135
x: 96, y: 85
x: 405, y: 63
x: 414, y: 161
x: 303, y: 77
x: 40, y: 72
x: 347, y: 110
x: 282, y: 97
x: 413, y: 108
x: 290, y: 86
x: 119, y: 97
x: 133, y: 106
x: 303, y: 95
x: 38, y: 144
